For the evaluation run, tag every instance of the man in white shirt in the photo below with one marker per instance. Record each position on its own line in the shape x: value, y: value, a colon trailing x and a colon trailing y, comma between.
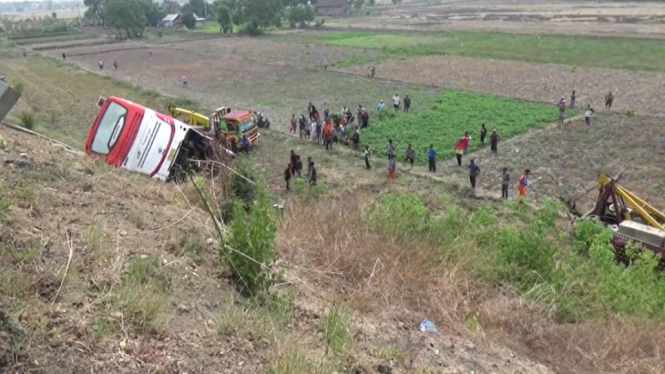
x: 396, y: 102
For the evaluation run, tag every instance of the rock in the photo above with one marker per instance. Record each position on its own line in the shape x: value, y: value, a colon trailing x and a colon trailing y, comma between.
x: 470, y: 347
x: 183, y: 308
x: 210, y: 241
x: 385, y: 369
x: 123, y: 233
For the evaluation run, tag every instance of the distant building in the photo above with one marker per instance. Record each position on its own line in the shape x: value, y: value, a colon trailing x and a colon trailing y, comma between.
x: 172, y: 20
x: 199, y: 20
x: 334, y: 8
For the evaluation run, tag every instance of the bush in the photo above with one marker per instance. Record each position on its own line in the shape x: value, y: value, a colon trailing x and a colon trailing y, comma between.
x: 400, y: 214
x: 252, y: 245
x: 26, y: 120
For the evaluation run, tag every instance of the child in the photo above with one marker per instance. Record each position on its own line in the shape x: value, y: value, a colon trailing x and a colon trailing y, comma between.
x: 392, y: 165
x: 367, y: 157
x: 587, y: 115
x: 505, y: 181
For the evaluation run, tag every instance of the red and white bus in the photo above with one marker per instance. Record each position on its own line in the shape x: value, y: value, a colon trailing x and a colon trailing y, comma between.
x: 136, y: 138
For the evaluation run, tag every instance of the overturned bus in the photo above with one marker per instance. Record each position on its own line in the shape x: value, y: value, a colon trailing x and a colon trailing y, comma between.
x: 130, y: 136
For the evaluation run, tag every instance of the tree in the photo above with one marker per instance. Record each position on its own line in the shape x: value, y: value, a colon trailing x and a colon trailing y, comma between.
x: 171, y: 7
x: 301, y: 15
x: 96, y: 9
x: 198, y: 7
x: 223, y: 14
x: 189, y: 20
x: 260, y: 14
x: 358, y: 3
x: 54, y: 15
x: 372, y: 2
x: 397, y: 2
x: 154, y: 12
x: 127, y: 16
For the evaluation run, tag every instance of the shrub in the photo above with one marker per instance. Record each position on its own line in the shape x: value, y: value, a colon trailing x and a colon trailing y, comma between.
x: 336, y: 329
x: 400, y: 214
x: 27, y: 120
x: 252, y: 245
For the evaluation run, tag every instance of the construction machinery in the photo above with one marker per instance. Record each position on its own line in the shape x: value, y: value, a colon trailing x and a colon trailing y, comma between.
x: 631, y: 218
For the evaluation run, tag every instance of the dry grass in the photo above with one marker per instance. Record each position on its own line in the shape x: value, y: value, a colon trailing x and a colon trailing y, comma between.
x: 406, y: 280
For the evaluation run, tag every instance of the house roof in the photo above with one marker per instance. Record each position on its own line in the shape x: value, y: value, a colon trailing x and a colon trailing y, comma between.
x: 332, y: 3
x: 170, y: 17
x: 196, y: 17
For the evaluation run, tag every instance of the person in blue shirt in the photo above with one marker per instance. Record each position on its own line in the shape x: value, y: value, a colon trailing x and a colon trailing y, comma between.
x: 431, y: 155
x: 245, y: 144
x: 381, y: 106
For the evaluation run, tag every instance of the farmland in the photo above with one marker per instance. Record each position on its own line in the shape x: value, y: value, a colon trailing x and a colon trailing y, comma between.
x: 109, y: 272
x: 455, y: 113
x: 576, y: 51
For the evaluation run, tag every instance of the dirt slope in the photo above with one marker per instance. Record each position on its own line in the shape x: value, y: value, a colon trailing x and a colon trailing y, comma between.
x: 111, y: 221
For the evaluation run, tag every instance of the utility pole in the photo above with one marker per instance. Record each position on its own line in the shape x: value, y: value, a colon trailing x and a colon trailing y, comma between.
x: 79, y: 13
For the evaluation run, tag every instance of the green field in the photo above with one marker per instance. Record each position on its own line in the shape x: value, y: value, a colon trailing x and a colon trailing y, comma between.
x: 454, y: 113
x: 617, y: 53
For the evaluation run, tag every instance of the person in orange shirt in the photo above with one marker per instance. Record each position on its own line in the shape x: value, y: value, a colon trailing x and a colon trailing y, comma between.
x: 523, y: 181
x: 392, y: 165
x: 459, y: 150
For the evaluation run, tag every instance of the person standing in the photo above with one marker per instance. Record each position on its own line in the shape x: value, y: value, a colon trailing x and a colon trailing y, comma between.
x: 287, y: 177
x: 390, y: 149
x: 483, y: 133
x: 312, y: 174
x: 312, y: 131
x: 328, y: 136
x: 100, y: 63
x: 587, y: 114
x: 298, y: 166
x: 326, y: 111
x: 494, y: 141
x: 341, y: 134
x: 562, y: 110
x: 372, y: 72
x: 294, y: 123
x: 244, y: 142
x: 302, y: 124
x: 396, y: 102
x: 431, y: 156
x: 474, y: 171
x: 381, y: 106
x: 368, y: 156
x: 466, y: 139
x: 355, y: 139
x: 319, y: 131
x: 407, y: 104
x: 115, y: 65
x: 410, y: 155
x: 609, y: 99
x: 293, y: 159
x: 523, y: 183
x: 392, y: 165
x: 573, y: 97
x: 505, y: 181
x: 64, y: 56
x: 459, y: 150
x: 184, y: 80
x: 309, y: 168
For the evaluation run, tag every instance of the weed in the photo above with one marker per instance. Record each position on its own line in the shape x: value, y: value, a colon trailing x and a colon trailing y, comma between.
x: 143, y: 306
x: 630, y: 113
x: 27, y: 120
x: 101, y: 327
x: 190, y: 244
x: 231, y: 319
x: 337, y: 330
x: 146, y: 270
x: 390, y: 352
x: 293, y: 361
x: 252, y: 243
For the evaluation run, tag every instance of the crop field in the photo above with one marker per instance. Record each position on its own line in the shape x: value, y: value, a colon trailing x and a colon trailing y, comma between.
x: 214, y: 81
x: 577, y: 51
x: 634, y: 90
x: 454, y: 113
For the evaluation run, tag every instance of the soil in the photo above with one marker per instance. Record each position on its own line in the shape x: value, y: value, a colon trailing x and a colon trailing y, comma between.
x: 143, y: 217
x: 641, y: 19
x: 633, y: 90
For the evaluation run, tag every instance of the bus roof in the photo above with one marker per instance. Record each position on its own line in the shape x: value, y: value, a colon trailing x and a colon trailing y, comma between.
x: 238, y: 114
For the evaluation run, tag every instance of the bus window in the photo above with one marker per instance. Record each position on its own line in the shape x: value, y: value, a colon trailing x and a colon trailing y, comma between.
x: 109, y: 128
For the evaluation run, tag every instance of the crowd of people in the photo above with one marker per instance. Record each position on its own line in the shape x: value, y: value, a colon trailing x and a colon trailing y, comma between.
x: 328, y: 128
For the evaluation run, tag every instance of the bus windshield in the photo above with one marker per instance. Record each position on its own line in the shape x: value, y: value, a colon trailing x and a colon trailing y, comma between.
x: 109, y: 128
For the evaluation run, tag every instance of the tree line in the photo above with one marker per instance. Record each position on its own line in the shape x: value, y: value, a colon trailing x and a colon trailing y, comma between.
x: 131, y: 17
